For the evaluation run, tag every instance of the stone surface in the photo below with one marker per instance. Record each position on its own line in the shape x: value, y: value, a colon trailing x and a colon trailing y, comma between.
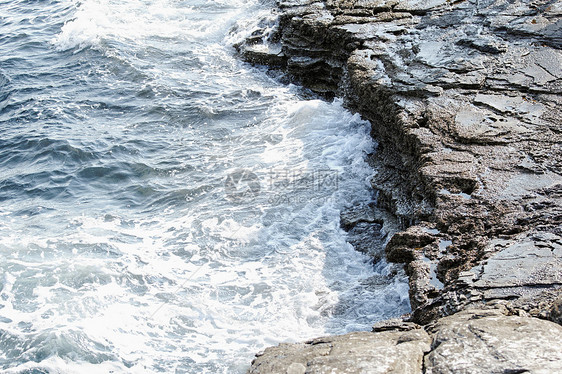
x: 486, y: 341
x: 464, y: 100
x: 398, y: 352
x: 395, y: 324
x: 474, y: 341
x: 519, y: 264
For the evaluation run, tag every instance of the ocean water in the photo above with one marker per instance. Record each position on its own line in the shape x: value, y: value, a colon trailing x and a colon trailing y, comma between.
x: 164, y: 207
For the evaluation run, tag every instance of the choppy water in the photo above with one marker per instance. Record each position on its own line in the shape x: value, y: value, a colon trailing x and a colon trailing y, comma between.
x: 124, y: 244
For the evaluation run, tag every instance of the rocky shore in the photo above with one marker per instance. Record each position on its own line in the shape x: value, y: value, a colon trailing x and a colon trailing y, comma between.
x: 464, y: 98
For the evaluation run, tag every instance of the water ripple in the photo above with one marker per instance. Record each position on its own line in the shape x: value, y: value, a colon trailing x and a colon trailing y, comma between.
x: 121, y: 247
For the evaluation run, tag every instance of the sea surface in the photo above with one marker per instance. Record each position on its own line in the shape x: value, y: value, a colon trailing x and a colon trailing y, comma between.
x: 165, y: 207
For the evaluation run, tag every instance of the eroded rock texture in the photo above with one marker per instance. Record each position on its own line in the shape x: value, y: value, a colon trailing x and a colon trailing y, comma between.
x: 464, y: 98
x: 398, y: 352
x: 487, y: 341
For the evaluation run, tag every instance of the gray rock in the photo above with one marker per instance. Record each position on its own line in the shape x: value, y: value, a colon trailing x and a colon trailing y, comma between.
x: 472, y: 341
x: 395, y: 324
x: 521, y: 264
x: 555, y: 312
x: 398, y: 352
x: 465, y: 102
x: 351, y: 217
x: 486, y: 341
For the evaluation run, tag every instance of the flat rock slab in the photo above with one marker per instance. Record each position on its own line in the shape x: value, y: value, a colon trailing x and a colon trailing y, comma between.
x: 399, y: 352
x: 522, y: 263
x: 519, y: 268
x: 486, y: 341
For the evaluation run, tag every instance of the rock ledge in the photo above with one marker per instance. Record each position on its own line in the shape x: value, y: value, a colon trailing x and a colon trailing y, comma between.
x: 476, y: 341
x: 464, y: 98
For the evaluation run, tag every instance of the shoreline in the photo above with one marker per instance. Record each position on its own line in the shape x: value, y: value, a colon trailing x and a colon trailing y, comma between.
x: 464, y: 100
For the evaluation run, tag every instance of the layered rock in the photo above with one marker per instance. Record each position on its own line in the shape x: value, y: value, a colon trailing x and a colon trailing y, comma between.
x: 464, y: 99
x: 475, y: 341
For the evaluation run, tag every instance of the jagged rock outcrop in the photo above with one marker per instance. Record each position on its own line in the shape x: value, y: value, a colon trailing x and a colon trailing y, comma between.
x: 464, y: 98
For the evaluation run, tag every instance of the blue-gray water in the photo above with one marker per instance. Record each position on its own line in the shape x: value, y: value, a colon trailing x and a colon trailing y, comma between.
x: 124, y: 245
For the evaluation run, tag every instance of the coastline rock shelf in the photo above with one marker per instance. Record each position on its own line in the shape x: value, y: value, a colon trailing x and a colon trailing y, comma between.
x: 464, y: 98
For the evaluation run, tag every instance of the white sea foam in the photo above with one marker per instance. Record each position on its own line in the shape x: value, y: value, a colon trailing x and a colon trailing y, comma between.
x: 98, y: 22
x: 236, y: 286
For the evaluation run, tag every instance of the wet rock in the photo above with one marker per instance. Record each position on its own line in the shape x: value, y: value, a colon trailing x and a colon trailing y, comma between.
x: 354, y: 216
x: 368, y: 238
x: 265, y: 54
x: 368, y: 229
